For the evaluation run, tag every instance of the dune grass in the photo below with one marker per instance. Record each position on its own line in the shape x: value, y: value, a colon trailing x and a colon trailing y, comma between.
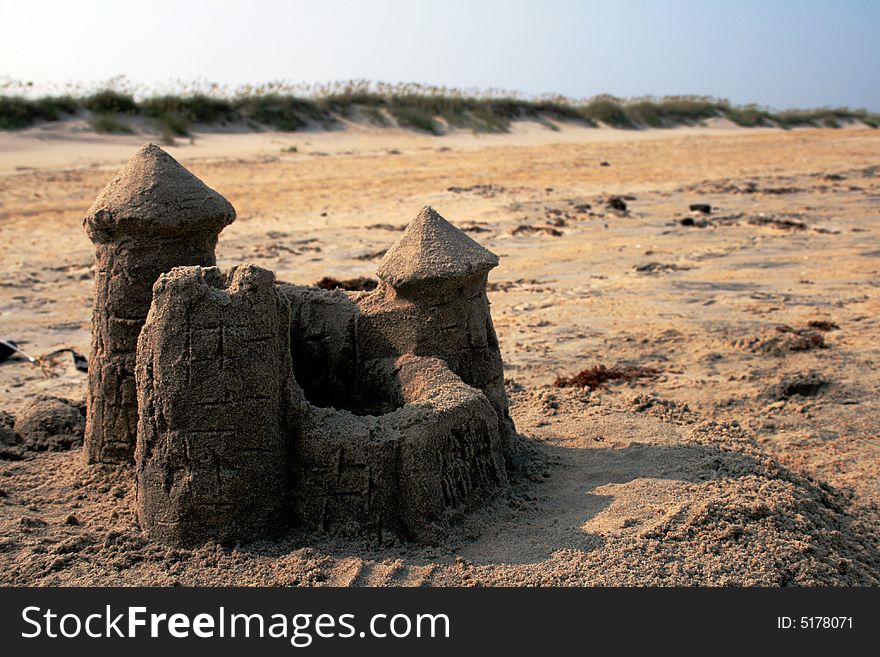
x: 108, y: 123
x: 427, y: 109
x: 17, y: 112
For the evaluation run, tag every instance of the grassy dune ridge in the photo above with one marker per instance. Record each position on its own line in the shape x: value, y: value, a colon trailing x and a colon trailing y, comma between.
x: 433, y: 110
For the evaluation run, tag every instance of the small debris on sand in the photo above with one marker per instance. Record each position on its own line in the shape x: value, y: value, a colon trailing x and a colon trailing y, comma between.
x: 667, y: 409
x: 595, y: 376
x: 9, y: 437
x: 486, y: 191
x: 704, y: 208
x: 394, y: 227
x: 474, y: 228
x: 504, y: 286
x: 10, y: 349
x: 51, y: 360
x: 616, y: 203
x: 809, y: 384
x: 525, y: 229
x: 776, y: 222
x: 794, y: 339
x: 784, y: 339
x: 822, y: 325
x: 359, y: 284
x: 658, y: 267
x: 371, y: 255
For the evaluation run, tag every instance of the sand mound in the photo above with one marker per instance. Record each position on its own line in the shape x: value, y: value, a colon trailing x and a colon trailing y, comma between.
x: 50, y: 423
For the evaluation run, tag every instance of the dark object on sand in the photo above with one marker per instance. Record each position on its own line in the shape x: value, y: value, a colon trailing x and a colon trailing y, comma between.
x: 787, y: 339
x: 486, y: 191
x: 616, y: 203
x: 705, y: 208
x: 775, y: 222
x: 657, y: 267
x: 359, y: 284
x: 8, y: 348
x: 809, y: 384
x: 11, y: 454
x: 603, y: 163
x: 822, y: 325
x: 80, y: 362
x: 394, y: 227
x: 525, y: 229
x: 371, y: 255
x: 595, y: 376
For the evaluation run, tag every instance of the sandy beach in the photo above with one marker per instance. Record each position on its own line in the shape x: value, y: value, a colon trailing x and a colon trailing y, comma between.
x: 748, y: 454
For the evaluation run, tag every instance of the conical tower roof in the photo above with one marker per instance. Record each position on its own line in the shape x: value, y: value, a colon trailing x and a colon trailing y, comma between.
x: 154, y: 195
x: 431, y: 248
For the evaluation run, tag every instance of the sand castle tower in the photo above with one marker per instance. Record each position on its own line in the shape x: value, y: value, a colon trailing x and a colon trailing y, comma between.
x: 155, y: 215
x: 433, y: 303
x: 215, y: 390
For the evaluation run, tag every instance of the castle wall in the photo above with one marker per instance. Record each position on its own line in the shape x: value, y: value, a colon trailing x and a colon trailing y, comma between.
x: 406, y: 472
x: 338, y: 335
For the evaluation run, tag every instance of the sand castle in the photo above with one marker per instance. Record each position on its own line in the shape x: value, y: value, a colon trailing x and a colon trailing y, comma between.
x: 247, y: 405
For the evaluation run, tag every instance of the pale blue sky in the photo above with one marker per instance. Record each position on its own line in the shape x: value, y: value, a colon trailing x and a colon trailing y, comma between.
x: 782, y: 53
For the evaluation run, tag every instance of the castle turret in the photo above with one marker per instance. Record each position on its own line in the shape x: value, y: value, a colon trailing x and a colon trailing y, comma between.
x: 432, y: 302
x: 431, y: 254
x: 155, y: 215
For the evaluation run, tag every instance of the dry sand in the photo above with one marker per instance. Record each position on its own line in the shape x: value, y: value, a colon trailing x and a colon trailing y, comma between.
x: 752, y: 458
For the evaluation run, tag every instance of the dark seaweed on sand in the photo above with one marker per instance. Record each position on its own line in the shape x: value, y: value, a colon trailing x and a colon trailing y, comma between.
x: 595, y: 376
x: 361, y: 283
